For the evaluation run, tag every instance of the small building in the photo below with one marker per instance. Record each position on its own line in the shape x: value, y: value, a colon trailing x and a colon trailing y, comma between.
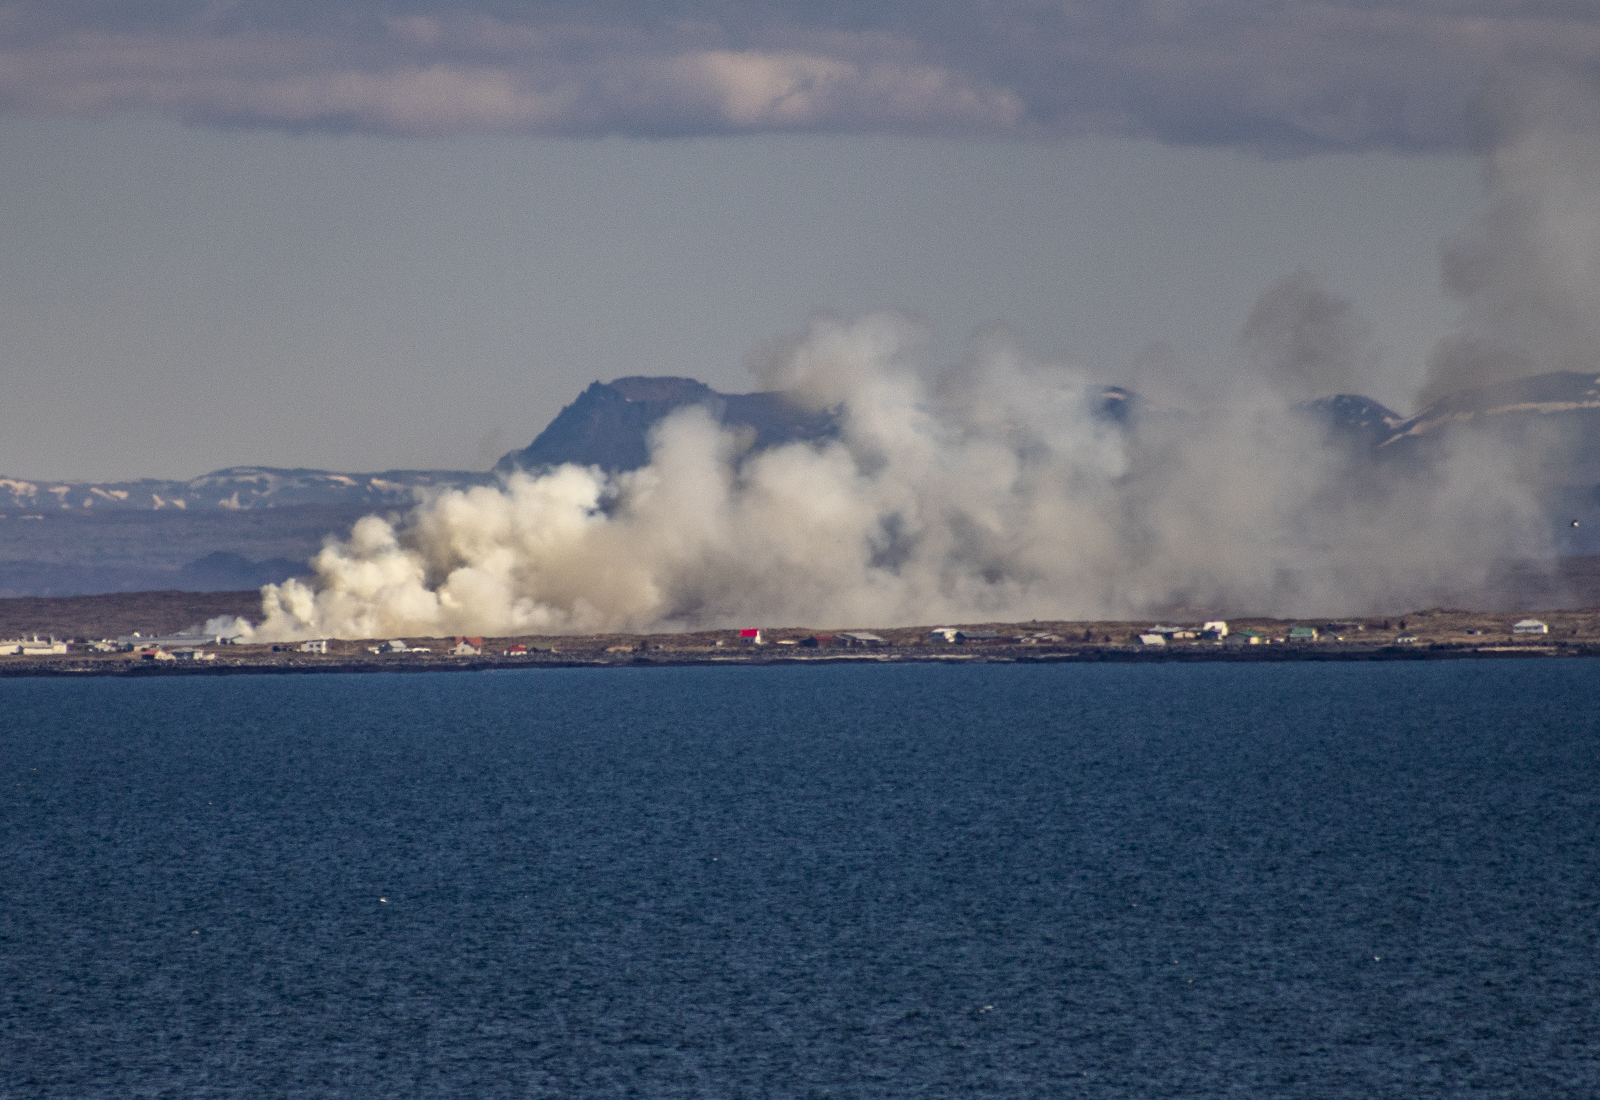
x: 1408, y: 639
x: 981, y: 637
x: 518, y: 650
x: 816, y: 641
x: 1152, y: 639
x: 467, y: 647
x: 192, y: 655
x: 395, y: 645
x: 1530, y: 626
x: 145, y: 641
x: 156, y: 654
x: 1243, y: 637
x: 947, y: 634
x: 1216, y: 629
x: 315, y: 645
x: 1303, y: 634
x: 750, y: 637
x: 858, y: 640
x: 33, y: 647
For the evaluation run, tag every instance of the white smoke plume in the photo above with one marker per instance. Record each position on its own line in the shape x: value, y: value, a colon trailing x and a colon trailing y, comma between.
x: 1528, y: 276
x: 997, y: 489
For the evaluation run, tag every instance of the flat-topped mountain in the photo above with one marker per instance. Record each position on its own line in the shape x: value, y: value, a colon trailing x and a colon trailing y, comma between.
x: 609, y: 424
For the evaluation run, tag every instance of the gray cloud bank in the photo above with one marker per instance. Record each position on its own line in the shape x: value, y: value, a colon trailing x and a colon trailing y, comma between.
x: 1339, y: 74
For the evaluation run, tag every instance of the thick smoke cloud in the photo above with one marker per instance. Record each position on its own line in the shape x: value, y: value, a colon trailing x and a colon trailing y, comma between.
x: 1340, y: 74
x: 1305, y: 341
x: 1528, y: 278
x: 998, y: 489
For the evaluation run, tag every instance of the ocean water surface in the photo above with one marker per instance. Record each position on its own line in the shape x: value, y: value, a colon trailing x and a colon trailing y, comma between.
x: 1292, y: 880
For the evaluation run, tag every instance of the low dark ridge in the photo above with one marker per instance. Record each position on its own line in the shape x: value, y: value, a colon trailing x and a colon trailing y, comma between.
x: 120, y: 613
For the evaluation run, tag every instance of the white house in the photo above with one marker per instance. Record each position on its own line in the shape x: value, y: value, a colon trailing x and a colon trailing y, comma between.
x: 33, y: 647
x: 1152, y: 639
x: 1530, y: 626
x: 316, y: 645
x: 1216, y: 628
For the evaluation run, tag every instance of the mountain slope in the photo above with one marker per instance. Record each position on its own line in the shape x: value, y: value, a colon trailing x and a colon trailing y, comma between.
x: 609, y: 424
x: 247, y: 525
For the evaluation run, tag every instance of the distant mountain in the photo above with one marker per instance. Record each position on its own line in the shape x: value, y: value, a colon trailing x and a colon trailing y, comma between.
x: 238, y: 488
x: 248, y: 525
x: 609, y: 424
x: 1565, y: 403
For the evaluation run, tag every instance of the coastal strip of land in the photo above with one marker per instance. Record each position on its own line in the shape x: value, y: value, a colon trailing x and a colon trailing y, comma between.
x: 1433, y: 634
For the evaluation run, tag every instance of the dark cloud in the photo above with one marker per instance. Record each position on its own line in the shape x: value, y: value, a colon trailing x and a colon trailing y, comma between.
x: 1339, y: 74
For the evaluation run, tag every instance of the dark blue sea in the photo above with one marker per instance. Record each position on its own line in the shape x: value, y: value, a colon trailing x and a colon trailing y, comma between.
x: 1275, y: 881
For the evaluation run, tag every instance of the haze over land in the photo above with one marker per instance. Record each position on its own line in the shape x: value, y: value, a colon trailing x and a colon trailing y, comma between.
x: 1087, y: 197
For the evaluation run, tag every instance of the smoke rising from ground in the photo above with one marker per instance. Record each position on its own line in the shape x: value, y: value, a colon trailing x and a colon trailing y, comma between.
x: 1305, y: 341
x: 1001, y: 488
x: 1528, y: 277
x: 1007, y: 488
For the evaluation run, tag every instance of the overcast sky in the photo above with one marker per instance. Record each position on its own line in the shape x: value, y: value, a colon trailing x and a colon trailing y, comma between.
x: 363, y: 235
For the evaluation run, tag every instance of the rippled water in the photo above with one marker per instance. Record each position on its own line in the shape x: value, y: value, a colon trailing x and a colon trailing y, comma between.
x: 1158, y: 881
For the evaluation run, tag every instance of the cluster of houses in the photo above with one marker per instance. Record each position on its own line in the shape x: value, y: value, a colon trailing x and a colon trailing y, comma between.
x: 1213, y: 631
x: 160, y: 653
x: 852, y: 639
x: 32, y: 647
x: 1218, y: 632
x: 191, y: 647
x: 462, y: 646
x: 176, y: 647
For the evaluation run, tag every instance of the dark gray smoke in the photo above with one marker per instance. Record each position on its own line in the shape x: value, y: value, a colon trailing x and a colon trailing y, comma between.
x: 1305, y: 341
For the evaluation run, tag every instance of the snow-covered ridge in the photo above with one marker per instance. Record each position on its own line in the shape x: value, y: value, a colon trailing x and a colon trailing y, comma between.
x: 237, y: 488
x: 608, y: 426
x: 1541, y: 395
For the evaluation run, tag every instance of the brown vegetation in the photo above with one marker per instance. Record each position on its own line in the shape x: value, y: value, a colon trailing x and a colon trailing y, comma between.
x: 121, y: 613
